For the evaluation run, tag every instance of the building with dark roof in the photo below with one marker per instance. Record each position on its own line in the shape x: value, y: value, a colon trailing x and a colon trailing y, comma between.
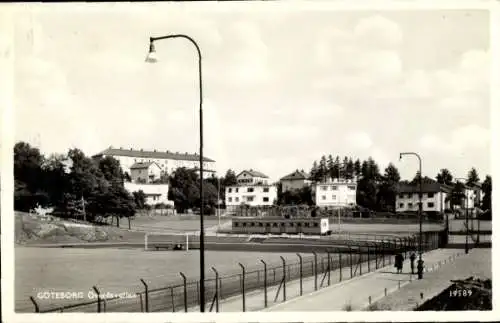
x: 145, y: 172
x: 296, y: 180
x: 434, y: 196
x: 167, y: 160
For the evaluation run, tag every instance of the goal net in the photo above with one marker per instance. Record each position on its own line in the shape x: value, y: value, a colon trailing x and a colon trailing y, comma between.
x: 184, y: 241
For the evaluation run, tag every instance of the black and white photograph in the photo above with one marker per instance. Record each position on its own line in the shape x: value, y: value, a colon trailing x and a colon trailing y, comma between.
x: 236, y: 158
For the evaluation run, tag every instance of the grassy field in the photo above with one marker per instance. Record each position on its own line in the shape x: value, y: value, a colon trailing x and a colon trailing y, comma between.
x: 118, y: 270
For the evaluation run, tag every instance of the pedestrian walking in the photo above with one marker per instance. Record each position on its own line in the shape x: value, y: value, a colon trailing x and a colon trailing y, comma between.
x: 412, y: 262
x: 399, y: 263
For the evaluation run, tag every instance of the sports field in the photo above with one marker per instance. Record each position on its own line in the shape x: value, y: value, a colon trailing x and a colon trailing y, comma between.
x: 118, y: 270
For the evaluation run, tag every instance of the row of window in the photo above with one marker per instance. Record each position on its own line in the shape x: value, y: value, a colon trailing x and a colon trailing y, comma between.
x: 248, y: 199
x: 410, y: 205
x: 410, y: 195
x: 282, y: 224
x: 334, y: 197
x: 249, y: 189
x: 335, y: 187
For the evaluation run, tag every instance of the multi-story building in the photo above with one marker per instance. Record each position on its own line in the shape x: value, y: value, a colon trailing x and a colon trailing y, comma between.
x: 252, y: 189
x: 145, y: 172
x: 335, y: 193
x: 168, y: 161
x: 296, y: 180
x: 434, y: 196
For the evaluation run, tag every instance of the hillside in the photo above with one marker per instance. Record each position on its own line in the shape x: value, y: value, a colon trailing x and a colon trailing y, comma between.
x: 32, y: 229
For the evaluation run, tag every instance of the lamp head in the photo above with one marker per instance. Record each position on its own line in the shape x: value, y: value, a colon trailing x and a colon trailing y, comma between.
x: 400, y: 156
x: 151, y: 57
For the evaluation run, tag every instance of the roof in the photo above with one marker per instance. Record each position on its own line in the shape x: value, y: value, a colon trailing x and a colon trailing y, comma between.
x: 254, y: 173
x: 427, y: 187
x: 142, y: 165
x: 151, y: 154
x: 297, y: 175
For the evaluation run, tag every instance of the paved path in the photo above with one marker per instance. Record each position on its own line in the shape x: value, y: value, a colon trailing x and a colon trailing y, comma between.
x: 355, y: 293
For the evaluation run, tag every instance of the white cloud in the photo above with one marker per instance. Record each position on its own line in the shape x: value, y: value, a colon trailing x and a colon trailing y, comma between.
x: 359, y: 140
x: 459, y: 141
x: 378, y: 31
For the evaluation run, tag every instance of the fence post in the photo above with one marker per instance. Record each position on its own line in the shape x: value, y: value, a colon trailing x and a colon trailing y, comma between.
x: 172, y: 298
x: 146, y: 297
x: 328, y: 267
x: 37, y: 309
x: 300, y: 272
x: 383, y: 253
x: 350, y: 259
x: 216, y: 289
x: 315, y: 270
x: 265, y: 282
x: 98, y: 299
x: 243, y: 284
x: 340, y: 262
x: 185, y: 291
x: 284, y: 277
x: 368, y: 252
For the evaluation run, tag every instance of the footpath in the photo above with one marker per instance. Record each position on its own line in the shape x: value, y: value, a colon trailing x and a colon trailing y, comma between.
x: 343, y: 293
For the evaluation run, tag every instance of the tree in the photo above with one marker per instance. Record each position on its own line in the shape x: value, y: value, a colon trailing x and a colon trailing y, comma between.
x: 336, y: 168
x: 486, y: 188
x: 184, y: 189
x: 29, y: 177
x: 330, y: 166
x: 323, y: 170
x: 457, y: 194
x: 366, y: 195
x: 350, y: 171
x: 444, y: 177
x: 386, y: 199
x: 314, y: 173
x: 139, y: 199
x: 357, y: 168
x: 230, y: 178
x: 343, y: 168
x: 472, y: 177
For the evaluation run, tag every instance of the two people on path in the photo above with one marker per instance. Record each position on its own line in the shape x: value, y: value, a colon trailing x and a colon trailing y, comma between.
x: 412, y: 262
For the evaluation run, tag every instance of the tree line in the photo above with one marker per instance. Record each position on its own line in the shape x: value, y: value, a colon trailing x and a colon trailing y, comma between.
x: 79, y: 186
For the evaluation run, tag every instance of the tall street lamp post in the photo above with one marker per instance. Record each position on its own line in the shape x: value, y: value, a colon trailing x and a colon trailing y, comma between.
x: 151, y: 58
x: 466, y: 214
x: 420, y: 265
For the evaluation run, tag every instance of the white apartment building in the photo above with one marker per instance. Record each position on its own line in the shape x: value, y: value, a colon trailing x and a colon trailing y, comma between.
x: 294, y: 181
x: 168, y: 161
x: 155, y: 193
x: 252, y: 189
x: 434, y: 197
x: 335, y: 193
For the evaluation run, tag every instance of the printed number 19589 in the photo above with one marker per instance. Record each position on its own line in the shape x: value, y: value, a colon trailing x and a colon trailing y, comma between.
x: 460, y: 293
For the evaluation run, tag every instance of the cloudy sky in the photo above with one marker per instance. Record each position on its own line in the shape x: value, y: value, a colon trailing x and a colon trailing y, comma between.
x: 281, y: 87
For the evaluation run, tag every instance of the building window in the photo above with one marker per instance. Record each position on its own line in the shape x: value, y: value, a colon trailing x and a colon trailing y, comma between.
x: 253, y: 224
x: 323, y: 188
x: 261, y: 224
x: 250, y: 198
x: 323, y: 197
x: 236, y: 190
x: 334, y: 197
x: 316, y: 225
x: 282, y: 224
x: 410, y: 195
x: 250, y: 190
x: 352, y: 188
x: 275, y: 224
x: 229, y: 199
x: 401, y: 205
x: 430, y: 195
x: 265, y: 199
x: 430, y: 204
x: 244, y: 224
x: 268, y: 224
x: 306, y: 224
x: 235, y: 224
x: 334, y: 188
x: 229, y: 190
x: 299, y: 224
x: 291, y: 224
x: 266, y: 189
x: 236, y: 199
x: 410, y: 205
x: 401, y: 196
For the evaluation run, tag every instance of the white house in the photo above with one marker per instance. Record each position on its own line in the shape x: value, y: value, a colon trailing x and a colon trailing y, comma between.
x: 434, y: 197
x: 167, y: 160
x: 252, y: 189
x: 335, y: 193
x: 296, y: 180
x: 155, y: 193
x: 145, y: 172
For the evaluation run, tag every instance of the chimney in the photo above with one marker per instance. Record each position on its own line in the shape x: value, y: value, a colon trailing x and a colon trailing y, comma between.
x: 142, y: 149
x: 155, y: 150
x: 130, y: 149
x: 121, y: 148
